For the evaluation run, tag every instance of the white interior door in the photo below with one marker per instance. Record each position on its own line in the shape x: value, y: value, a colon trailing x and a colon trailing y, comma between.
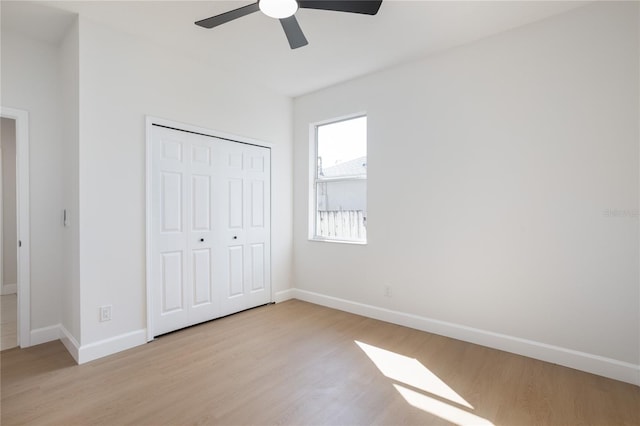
x: 244, y: 226
x: 210, y: 228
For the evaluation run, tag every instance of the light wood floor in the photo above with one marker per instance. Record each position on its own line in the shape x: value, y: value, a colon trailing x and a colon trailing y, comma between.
x: 8, y: 321
x: 298, y: 363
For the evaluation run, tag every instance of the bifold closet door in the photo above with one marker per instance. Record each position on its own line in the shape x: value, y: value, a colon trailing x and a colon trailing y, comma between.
x: 210, y: 228
x: 244, y: 217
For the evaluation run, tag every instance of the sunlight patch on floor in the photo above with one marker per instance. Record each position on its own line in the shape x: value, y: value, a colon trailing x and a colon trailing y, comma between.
x: 411, y: 372
x: 440, y: 409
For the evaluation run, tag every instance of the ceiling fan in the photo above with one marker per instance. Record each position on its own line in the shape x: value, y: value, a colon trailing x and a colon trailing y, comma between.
x: 284, y: 10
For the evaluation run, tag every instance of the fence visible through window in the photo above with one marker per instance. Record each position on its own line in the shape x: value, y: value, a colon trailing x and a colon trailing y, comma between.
x: 342, y: 224
x: 340, y: 188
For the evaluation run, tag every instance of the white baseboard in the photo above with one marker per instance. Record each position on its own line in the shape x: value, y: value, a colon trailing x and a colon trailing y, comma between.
x: 602, y: 366
x: 284, y: 295
x: 111, y: 345
x: 55, y: 332
x: 45, y: 334
x: 8, y: 289
x: 69, y: 342
x: 86, y: 353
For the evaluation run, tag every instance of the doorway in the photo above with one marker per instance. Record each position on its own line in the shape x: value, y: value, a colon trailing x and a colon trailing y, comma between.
x: 8, y: 236
x: 14, y: 229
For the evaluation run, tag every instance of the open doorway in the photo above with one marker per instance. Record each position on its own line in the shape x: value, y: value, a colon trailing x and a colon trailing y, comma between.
x: 15, y: 274
x: 8, y: 236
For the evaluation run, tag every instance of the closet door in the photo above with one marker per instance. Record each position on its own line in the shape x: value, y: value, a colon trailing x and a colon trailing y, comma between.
x: 170, y: 273
x: 182, y: 226
x: 244, y: 220
x: 210, y: 228
x: 203, y: 304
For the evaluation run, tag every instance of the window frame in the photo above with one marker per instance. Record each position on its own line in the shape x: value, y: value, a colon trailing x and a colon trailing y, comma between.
x: 314, y: 178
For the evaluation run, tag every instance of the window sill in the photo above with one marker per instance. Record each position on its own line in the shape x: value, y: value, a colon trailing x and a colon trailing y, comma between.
x: 328, y: 240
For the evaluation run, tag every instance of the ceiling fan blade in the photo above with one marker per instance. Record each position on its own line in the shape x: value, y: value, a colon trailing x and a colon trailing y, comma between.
x: 366, y: 7
x: 294, y: 32
x: 214, y: 21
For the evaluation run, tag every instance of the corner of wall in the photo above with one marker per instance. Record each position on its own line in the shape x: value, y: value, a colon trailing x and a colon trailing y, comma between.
x: 70, y: 343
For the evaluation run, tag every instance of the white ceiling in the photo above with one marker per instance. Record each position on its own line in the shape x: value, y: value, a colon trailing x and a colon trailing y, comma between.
x: 341, y: 45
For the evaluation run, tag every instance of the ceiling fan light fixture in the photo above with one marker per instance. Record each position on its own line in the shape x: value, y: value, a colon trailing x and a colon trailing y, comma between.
x: 278, y: 9
x: 284, y: 10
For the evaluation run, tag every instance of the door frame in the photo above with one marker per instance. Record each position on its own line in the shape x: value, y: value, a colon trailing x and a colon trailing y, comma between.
x: 150, y: 121
x: 22, y: 222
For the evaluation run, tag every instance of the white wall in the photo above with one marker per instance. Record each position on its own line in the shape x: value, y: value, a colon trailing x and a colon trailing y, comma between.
x: 69, y: 69
x: 9, y: 224
x: 30, y: 82
x: 508, y: 152
x: 122, y: 79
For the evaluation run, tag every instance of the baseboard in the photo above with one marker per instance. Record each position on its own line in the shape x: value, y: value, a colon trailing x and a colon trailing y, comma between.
x: 9, y: 289
x: 55, y: 332
x: 86, y: 353
x: 45, y: 334
x: 283, y: 295
x: 111, y: 345
x: 70, y: 343
x: 602, y: 366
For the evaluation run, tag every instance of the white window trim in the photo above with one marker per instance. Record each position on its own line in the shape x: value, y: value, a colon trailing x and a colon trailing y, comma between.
x: 313, y: 178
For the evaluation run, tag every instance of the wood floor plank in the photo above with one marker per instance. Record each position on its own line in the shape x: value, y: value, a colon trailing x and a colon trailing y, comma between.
x: 8, y: 321
x: 295, y: 363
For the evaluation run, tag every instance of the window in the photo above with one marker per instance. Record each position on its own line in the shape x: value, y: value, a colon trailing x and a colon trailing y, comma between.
x: 340, y: 181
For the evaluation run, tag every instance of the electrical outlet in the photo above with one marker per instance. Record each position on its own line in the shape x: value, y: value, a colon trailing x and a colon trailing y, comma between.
x: 387, y: 290
x: 105, y: 313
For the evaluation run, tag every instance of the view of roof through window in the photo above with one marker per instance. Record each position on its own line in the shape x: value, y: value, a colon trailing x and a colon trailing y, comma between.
x: 343, y: 151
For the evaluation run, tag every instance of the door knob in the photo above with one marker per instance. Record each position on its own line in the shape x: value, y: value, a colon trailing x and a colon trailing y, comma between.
x: 235, y: 237
x: 202, y: 240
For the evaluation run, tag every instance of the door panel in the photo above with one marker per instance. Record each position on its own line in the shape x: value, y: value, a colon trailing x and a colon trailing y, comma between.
x: 236, y: 271
x: 200, y: 239
x: 172, y: 284
x: 257, y: 266
x: 257, y: 203
x: 201, y: 276
x: 169, y: 249
x: 171, y: 149
x: 249, y: 178
x: 201, y: 154
x: 201, y: 200
x: 235, y: 203
x: 171, y: 194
